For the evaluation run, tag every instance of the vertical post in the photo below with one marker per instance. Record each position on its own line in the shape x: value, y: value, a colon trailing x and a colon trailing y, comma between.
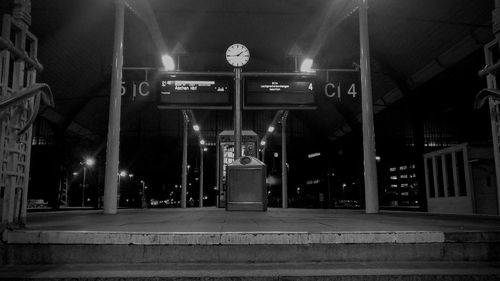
x: 201, y: 177
x: 493, y: 105
x: 118, y: 192
x: 329, y: 187
x: 113, y: 145
x: 284, y: 170
x: 237, y: 113
x: 184, y: 163
x: 371, y: 188
x: 83, y: 186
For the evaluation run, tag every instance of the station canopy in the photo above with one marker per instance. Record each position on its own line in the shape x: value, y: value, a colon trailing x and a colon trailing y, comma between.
x: 412, y: 41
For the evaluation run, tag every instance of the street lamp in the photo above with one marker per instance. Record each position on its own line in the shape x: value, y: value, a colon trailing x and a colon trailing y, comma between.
x: 89, y: 162
x: 122, y: 173
x: 143, y: 199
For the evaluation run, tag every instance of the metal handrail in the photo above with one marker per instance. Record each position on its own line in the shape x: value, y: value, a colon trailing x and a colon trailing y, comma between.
x: 484, y: 95
x: 40, y: 91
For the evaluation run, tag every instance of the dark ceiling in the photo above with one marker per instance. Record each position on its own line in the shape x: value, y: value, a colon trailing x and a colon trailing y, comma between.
x: 412, y: 41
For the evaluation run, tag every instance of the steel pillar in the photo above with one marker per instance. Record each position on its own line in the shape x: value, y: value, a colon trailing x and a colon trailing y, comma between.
x: 371, y: 185
x: 201, y: 176
x: 184, y: 159
x: 113, y: 144
x: 284, y: 170
x: 237, y: 113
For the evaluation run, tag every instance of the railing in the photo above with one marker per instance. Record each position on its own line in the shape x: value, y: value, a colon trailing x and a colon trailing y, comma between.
x: 40, y: 91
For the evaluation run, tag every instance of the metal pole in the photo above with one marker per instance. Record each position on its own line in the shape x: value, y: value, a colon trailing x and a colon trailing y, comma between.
x: 264, y: 155
x: 237, y: 113
x: 143, y: 198
x: 184, y: 164
x: 83, y: 186
x: 329, y: 187
x: 493, y: 105
x: 113, y: 145
x: 371, y: 188
x: 118, y: 192
x: 284, y: 170
x: 201, y: 177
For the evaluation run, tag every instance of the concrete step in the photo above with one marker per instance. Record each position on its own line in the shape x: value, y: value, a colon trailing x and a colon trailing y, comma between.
x: 75, y: 247
x: 257, y: 271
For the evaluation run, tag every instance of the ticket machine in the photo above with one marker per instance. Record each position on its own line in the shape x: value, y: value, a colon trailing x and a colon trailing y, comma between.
x: 225, y: 156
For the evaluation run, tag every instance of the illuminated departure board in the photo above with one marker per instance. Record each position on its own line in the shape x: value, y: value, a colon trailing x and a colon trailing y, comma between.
x: 285, y: 92
x: 190, y: 92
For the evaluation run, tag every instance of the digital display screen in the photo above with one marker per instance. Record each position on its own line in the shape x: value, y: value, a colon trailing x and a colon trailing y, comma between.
x: 289, y: 92
x: 208, y: 92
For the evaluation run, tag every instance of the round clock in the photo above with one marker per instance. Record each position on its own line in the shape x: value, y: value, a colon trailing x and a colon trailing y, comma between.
x: 237, y: 55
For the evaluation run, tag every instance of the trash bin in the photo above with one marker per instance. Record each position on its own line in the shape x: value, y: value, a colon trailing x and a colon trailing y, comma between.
x: 246, y: 185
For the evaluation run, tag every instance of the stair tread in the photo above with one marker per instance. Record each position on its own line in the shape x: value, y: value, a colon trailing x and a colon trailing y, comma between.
x: 221, y: 270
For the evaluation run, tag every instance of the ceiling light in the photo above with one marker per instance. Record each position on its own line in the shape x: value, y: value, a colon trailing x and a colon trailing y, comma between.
x: 168, y: 62
x: 306, y: 65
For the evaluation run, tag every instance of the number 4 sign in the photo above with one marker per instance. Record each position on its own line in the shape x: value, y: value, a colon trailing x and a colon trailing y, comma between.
x: 342, y: 85
x: 334, y: 90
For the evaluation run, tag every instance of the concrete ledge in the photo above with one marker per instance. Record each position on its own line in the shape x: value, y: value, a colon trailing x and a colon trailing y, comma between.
x: 80, y: 253
x: 221, y: 238
x: 260, y: 271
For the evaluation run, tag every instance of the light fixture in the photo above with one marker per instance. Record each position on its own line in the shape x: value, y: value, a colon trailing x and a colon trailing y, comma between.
x: 123, y: 173
x: 89, y: 162
x: 75, y: 174
x: 262, y: 142
x: 202, y: 142
x: 168, y: 62
x: 306, y: 65
x: 205, y: 149
x: 131, y: 175
x: 270, y: 129
x: 196, y: 128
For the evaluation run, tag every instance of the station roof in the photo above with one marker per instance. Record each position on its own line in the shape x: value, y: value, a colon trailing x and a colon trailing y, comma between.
x: 412, y: 41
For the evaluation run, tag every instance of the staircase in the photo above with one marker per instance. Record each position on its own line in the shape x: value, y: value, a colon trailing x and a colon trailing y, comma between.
x: 374, y: 255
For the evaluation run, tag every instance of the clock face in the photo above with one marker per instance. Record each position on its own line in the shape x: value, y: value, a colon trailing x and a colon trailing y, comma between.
x: 237, y: 55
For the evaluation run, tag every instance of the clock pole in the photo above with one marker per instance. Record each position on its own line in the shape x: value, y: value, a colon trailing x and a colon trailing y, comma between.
x: 237, y: 113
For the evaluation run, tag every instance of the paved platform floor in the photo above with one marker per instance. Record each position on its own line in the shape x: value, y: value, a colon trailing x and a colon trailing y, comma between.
x: 274, y: 220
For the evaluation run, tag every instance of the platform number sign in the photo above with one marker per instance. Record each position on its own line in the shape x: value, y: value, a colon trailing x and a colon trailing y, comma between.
x: 343, y: 86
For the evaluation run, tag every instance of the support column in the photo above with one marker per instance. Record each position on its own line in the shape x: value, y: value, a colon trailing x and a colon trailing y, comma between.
x: 113, y: 145
x: 493, y: 105
x: 237, y: 113
x: 83, y: 185
x: 184, y: 162
x: 284, y: 170
x: 371, y: 187
x: 201, y: 177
